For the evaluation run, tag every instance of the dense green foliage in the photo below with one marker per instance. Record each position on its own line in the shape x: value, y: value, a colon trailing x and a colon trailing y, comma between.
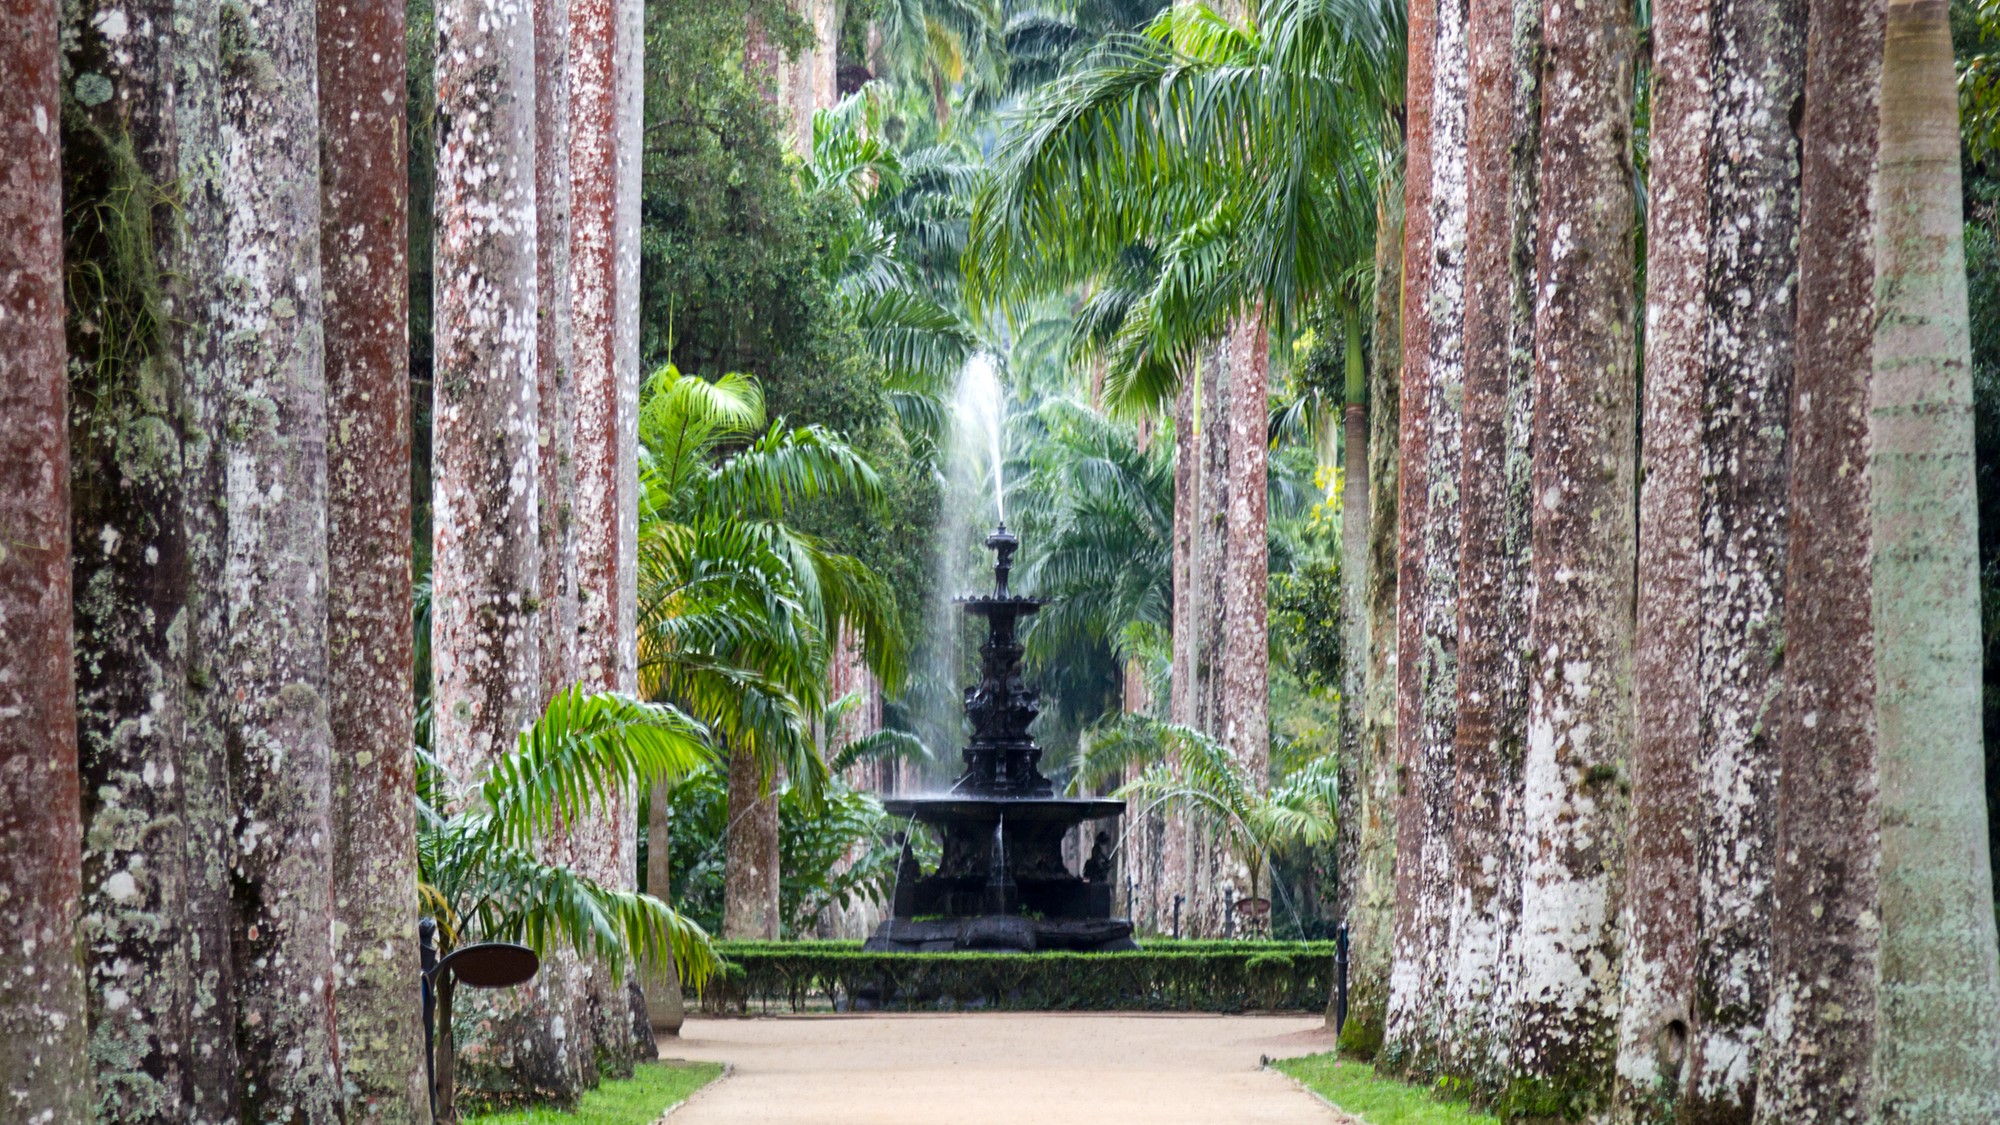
x: 642, y: 1099
x: 1167, y: 976
x: 481, y: 875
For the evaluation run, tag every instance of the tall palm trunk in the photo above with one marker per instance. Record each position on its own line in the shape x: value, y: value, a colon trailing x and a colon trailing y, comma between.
x: 1938, y: 1047
x: 364, y: 193
x: 486, y: 533
x: 1371, y: 912
x: 126, y: 250
x: 1493, y: 561
x: 43, y: 1063
x: 1817, y: 1065
x: 1243, y: 679
x: 209, y: 806
x: 1181, y: 701
x: 1579, y: 706
x: 275, y: 579
x: 1353, y: 615
x: 1746, y: 383
x: 1656, y: 1015
x: 1427, y: 613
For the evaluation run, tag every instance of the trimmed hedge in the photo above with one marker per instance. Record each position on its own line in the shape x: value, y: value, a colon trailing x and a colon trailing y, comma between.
x: 1171, y: 976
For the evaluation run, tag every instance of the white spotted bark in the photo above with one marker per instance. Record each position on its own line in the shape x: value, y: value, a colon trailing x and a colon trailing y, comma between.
x: 1583, y: 539
x: 128, y: 277
x: 274, y: 667
x: 1658, y: 968
x: 1757, y: 57
x: 365, y: 199
x: 1502, y: 125
x: 1427, y: 613
x: 44, y: 1072
x: 486, y: 531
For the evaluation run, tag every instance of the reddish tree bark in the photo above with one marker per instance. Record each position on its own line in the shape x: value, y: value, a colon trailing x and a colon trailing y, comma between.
x: 1493, y: 561
x: 1758, y: 53
x: 44, y: 1072
x: 1427, y: 614
x: 1579, y: 708
x: 364, y: 194
x: 1656, y: 1015
x: 1413, y: 448
x: 1818, y: 1063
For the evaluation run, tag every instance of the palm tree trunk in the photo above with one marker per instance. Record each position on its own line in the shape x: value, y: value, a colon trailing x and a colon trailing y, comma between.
x: 364, y: 187
x: 750, y: 854
x: 43, y: 1060
x: 275, y: 580
x: 487, y: 417
x: 209, y: 808
x: 1427, y: 613
x: 1354, y: 617
x: 1202, y: 914
x: 1243, y: 679
x: 1181, y: 702
x: 126, y: 249
x: 1493, y: 563
x: 1579, y: 707
x: 1370, y: 913
x: 664, y: 1002
x: 1746, y: 384
x: 1656, y: 1015
x: 1938, y: 1050
x: 1818, y: 1064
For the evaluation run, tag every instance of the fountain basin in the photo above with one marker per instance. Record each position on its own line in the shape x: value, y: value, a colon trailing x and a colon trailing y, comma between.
x: 1001, y: 882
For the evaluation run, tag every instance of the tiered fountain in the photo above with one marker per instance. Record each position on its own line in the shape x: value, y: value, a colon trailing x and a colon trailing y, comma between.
x: 1001, y: 882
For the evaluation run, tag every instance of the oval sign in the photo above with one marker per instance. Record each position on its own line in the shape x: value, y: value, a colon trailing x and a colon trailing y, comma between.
x: 492, y: 964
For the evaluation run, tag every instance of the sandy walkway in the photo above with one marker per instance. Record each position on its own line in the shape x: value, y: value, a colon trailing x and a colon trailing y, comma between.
x: 1001, y: 1068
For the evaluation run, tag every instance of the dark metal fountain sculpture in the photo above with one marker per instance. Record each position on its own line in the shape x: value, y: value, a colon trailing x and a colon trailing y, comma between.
x: 1001, y: 881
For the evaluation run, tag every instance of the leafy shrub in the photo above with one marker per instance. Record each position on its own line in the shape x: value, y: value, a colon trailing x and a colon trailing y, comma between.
x: 1181, y: 976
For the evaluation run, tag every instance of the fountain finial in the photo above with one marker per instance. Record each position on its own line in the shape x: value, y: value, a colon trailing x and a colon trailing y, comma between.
x: 1002, y: 543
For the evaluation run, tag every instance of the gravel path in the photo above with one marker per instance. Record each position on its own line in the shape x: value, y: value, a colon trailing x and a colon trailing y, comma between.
x: 1001, y: 1068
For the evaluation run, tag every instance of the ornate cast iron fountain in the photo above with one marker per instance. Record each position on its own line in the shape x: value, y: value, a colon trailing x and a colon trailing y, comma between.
x: 1001, y: 882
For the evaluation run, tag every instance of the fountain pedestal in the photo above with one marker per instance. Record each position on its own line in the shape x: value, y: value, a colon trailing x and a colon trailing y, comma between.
x: 1001, y: 882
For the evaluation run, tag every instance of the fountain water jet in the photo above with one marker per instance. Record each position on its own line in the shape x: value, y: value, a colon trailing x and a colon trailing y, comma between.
x: 1001, y: 882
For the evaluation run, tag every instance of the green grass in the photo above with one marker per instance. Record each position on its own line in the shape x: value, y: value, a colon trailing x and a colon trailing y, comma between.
x: 639, y: 1100
x: 1379, y: 1101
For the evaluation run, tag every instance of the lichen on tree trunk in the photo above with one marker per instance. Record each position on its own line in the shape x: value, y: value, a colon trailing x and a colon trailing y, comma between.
x: 1580, y: 696
x: 1657, y: 973
x: 1749, y: 290
x: 1427, y: 589
x: 274, y: 671
x: 1817, y: 1061
x: 1493, y: 564
x: 365, y: 196
x: 127, y: 277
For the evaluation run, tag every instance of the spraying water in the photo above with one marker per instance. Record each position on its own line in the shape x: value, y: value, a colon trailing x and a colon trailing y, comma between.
x: 979, y: 409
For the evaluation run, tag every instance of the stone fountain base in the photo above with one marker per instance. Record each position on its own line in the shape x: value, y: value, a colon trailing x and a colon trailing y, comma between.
x: 1001, y: 883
